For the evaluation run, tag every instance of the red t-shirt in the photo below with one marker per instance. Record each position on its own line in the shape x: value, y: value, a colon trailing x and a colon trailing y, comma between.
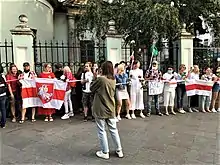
x: 14, y: 84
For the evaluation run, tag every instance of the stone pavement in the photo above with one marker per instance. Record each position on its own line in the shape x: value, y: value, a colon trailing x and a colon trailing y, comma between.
x: 182, y: 139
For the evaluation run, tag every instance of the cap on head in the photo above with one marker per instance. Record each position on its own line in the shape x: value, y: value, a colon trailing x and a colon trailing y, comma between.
x: 26, y: 64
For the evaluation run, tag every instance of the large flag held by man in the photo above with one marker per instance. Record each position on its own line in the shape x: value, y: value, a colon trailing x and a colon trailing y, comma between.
x: 43, y: 92
x: 199, y: 87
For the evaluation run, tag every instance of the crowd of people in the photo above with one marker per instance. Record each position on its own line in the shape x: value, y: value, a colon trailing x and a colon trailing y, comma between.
x: 131, y: 86
x: 98, y: 88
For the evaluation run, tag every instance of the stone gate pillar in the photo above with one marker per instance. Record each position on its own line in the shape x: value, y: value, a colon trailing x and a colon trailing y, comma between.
x: 22, y: 37
x: 113, y: 44
x: 185, y: 44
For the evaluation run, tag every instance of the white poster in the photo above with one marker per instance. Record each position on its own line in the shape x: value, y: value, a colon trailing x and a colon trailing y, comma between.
x: 155, y: 87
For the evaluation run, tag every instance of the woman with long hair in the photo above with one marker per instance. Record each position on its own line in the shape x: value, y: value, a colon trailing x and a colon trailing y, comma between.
x: 67, y: 100
x: 136, y: 90
x: 104, y: 110
x: 15, y: 96
x: 208, y: 76
x: 193, y: 75
x: 121, y: 91
x: 181, y: 88
x: 47, y: 112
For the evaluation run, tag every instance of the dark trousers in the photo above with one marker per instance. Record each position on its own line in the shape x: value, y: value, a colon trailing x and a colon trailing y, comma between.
x: 181, y: 91
x: 156, y: 102
x: 3, y: 110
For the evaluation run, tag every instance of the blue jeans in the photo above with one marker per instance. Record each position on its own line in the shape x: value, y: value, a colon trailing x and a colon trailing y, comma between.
x: 103, y: 136
x: 3, y: 110
x: 206, y: 102
x: 181, y: 91
x: 156, y: 101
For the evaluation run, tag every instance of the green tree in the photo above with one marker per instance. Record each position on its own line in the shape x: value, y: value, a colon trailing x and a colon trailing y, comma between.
x: 165, y: 17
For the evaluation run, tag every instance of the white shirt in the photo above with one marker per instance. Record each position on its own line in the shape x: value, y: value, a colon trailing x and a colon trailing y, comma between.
x: 193, y: 76
x: 88, y: 76
x: 169, y: 86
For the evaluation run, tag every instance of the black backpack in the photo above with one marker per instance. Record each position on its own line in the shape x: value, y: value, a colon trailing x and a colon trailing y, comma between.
x: 3, y: 85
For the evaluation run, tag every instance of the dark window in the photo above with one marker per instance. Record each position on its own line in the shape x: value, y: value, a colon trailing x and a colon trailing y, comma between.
x: 87, y: 49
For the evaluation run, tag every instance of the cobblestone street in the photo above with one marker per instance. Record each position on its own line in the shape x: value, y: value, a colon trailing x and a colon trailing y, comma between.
x: 182, y: 139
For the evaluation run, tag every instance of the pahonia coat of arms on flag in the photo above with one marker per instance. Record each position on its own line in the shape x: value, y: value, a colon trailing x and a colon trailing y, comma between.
x: 45, y: 92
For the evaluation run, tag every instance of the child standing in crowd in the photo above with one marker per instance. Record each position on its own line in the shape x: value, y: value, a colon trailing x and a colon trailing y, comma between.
x: 104, y: 110
x: 181, y: 89
x: 192, y: 75
x: 67, y: 100
x: 216, y: 92
x: 13, y: 87
x: 48, y: 112
x: 208, y: 76
x: 153, y: 75
x: 3, y: 97
x: 169, y: 91
x: 121, y: 91
x: 86, y: 81
x: 27, y: 74
x: 136, y: 90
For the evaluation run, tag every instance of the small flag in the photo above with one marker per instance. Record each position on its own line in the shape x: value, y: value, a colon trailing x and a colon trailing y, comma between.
x: 154, y: 50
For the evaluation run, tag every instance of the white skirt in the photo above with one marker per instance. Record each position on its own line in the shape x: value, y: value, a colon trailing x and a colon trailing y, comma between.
x: 122, y: 94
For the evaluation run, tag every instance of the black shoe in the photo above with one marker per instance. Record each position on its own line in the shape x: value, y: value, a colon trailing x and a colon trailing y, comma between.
x: 159, y: 114
x: 93, y: 119
x: 85, y: 118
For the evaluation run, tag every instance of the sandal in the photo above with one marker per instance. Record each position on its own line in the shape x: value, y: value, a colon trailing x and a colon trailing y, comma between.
x: 51, y: 119
x: 21, y: 121
x: 46, y: 119
x: 33, y: 120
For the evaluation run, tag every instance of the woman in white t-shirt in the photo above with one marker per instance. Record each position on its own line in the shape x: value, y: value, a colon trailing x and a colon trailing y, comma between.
x: 192, y: 75
x: 86, y: 80
x: 169, y: 90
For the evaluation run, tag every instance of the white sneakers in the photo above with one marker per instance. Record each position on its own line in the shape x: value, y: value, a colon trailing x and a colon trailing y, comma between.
x: 120, y: 154
x: 218, y: 110
x: 182, y: 111
x: 128, y: 116
x: 67, y: 116
x: 102, y: 155
x: 142, y: 115
x: 213, y: 110
x: 133, y: 116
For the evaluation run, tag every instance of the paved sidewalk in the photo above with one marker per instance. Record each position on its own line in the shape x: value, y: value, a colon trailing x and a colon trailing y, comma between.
x: 182, y: 139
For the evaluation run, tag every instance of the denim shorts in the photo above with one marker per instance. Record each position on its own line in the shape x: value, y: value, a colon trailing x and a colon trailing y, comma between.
x: 216, y: 88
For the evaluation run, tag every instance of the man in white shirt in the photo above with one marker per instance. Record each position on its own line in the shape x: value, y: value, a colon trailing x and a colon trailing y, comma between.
x: 27, y: 74
x: 86, y: 80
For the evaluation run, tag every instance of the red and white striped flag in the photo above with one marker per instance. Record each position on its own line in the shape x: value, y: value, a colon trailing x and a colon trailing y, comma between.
x: 199, y: 87
x: 43, y: 92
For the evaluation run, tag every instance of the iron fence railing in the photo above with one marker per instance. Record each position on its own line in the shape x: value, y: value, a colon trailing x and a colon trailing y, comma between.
x: 6, y: 54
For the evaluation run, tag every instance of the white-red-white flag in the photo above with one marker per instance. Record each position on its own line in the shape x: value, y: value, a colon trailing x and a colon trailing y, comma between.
x: 199, y: 87
x: 43, y: 92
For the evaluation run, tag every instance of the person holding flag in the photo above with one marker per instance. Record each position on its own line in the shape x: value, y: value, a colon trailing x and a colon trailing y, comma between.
x: 153, y: 74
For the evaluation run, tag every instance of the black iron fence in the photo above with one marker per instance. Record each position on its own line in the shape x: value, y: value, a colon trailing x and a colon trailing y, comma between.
x: 73, y: 55
x: 6, y: 54
x: 206, y: 56
x: 167, y: 55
